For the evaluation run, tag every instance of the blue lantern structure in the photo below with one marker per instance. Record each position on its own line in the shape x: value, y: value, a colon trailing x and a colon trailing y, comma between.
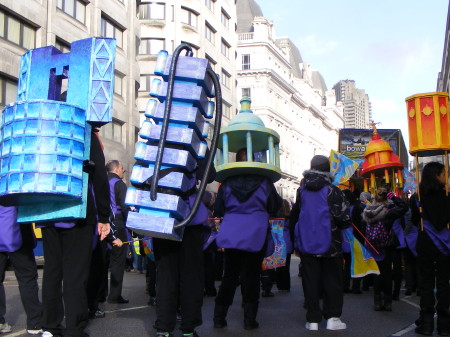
x: 175, y: 132
x: 246, y: 130
x: 45, y: 135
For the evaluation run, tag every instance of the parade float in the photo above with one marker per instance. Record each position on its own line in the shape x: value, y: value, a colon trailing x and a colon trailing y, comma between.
x: 381, y: 165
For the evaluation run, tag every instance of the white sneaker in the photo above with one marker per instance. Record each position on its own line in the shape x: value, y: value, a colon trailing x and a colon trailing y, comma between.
x: 47, y: 334
x: 5, y: 327
x: 335, y: 323
x: 34, y: 331
x: 312, y: 326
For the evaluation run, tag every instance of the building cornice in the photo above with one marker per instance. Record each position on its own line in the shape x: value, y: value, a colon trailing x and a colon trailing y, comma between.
x: 277, y: 79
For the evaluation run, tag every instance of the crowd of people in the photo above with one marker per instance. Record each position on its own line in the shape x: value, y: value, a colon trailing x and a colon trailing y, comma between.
x: 407, y: 238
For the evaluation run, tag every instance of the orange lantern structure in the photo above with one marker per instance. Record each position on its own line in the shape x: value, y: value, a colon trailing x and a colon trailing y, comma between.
x: 429, y: 127
x: 428, y: 124
x: 381, y: 163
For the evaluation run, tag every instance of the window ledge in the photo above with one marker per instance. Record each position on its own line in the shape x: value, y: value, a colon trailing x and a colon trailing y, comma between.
x: 189, y: 28
x: 161, y: 23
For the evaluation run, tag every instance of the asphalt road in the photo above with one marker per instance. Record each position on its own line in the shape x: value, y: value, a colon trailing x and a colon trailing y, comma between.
x: 280, y: 316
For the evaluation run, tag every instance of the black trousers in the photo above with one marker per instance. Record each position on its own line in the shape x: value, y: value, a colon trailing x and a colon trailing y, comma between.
x: 150, y: 275
x: 98, y: 273
x: 397, y: 273
x: 25, y: 269
x: 434, y: 272
x: 67, y: 254
x: 267, y: 279
x: 243, y: 267
x: 383, y: 283
x: 322, y: 275
x: 283, y: 275
x: 179, y: 279
x: 117, y: 264
x: 209, y: 255
x: 411, y: 270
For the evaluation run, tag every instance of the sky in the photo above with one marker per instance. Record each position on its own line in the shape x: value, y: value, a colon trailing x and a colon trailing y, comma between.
x: 391, y: 48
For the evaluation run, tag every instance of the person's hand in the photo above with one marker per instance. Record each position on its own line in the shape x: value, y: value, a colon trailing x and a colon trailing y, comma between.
x: 103, y: 230
x: 390, y: 195
x: 117, y: 243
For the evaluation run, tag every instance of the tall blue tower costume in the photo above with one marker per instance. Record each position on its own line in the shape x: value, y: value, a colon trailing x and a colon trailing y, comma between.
x: 45, y: 138
x: 175, y: 131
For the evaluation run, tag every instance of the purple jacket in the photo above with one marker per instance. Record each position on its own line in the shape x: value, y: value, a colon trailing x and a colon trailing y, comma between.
x: 245, y: 223
x: 10, y: 235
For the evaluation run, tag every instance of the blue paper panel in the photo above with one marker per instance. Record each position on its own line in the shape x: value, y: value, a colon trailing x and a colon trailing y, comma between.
x: 171, y: 204
x: 185, y: 93
x: 180, y: 114
x: 190, y: 69
x: 176, y: 180
x: 171, y: 157
x: 175, y: 135
x: 154, y: 226
x: 42, y: 150
x: 88, y: 69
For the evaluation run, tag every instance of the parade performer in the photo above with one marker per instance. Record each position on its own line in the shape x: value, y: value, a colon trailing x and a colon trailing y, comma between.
x: 319, y: 212
x: 433, y: 249
x: 56, y: 169
x: 428, y: 124
x: 16, y: 244
x: 168, y: 205
x: 246, y: 198
x: 379, y: 219
x: 245, y: 202
x: 117, y: 191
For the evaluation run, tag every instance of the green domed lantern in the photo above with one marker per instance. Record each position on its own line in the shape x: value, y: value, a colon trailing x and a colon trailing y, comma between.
x: 246, y: 130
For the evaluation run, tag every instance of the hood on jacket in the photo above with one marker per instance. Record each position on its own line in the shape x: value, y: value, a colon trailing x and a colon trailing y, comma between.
x: 244, y: 186
x: 316, y: 180
x: 374, y: 213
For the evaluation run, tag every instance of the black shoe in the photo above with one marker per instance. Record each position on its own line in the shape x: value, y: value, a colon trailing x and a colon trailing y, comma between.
x: 424, y: 329
x: 356, y: 291
x: 151, y: 301
x: 396, y: 298
x: 347, y: 291
x: 120, y: 300
x: 250, y: 325
x: 96, y: 314
x: 408, y: 292
x: 443, y: 332
x: 267, y: 293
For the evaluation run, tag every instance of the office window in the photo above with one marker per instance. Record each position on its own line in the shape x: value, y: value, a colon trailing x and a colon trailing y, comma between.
x: 225, y: 48
x: 152, y: 10
x: 210, y: 5
x: 112, y: 131
x: 209, y: 33
x: 17, y: 31
x: 225, y: 78
x: 189, y: 17
x: 151, y: 46
x: 226, y: 110
x: 62, y: 46
x: 8, y: 91
x: 246, y: 92
x: 225, y: 18
x: 245, y: 61
x: 109, y: 29
x: 74, y: 8
x: 118, y: 83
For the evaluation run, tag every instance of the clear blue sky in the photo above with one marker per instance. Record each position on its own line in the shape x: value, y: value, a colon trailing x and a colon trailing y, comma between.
x: 391, y: 48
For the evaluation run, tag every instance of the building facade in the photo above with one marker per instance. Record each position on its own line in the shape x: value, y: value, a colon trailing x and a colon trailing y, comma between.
x: 288, y: 95
x: 141, y: 28
x: 356, y: 103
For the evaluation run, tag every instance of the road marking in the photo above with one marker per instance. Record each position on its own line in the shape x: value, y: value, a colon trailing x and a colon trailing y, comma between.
x: 14, y: 334
x: 404, y: 331
x: 405, y: 299
x: 128, y: 309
